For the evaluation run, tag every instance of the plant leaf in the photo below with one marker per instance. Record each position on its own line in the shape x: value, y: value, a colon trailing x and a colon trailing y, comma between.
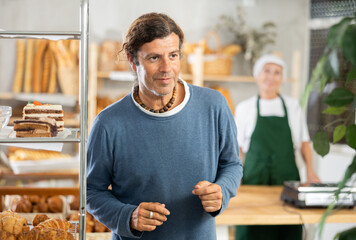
x: 351, y: 76
x: 334, y: 62
x: 335, y: 110
x: 339, y: 97
x: 351, y: 136
x: 348, y: 45
x: 318, y: 75
x: 321, y: 143
x: 351, y: 169
x: 339, y: 133
x: 347, y: 234
x: 337, y: 32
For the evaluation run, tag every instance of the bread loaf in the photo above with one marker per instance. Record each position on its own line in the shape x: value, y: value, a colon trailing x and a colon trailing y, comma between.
x: 22, y: 205
x: 74, y: 203
x: 55, y: 204
x: 99, y: 227
x: 38, y: 219
x: 40, y: 207
x: 20, y: 64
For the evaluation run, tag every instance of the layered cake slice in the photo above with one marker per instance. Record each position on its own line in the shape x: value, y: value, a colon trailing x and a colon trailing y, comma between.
x: 36, y: 110
x: 42, y: 127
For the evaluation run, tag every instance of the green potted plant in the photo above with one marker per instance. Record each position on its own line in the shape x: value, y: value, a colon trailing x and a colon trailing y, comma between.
x: 252, y: 40
x: 337, y: 66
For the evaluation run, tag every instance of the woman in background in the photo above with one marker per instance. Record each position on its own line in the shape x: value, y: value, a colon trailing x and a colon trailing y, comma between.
x: 271, y: 127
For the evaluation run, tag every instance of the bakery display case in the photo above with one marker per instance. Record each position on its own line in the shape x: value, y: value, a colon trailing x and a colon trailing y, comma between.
x: 79, y: 42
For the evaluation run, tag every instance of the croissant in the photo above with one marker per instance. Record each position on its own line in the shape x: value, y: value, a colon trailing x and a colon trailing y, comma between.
x: 14, y: 225
x: 55, y: 223
x: 6, y: 213
x: 46, y: 234
x: 6, y: 236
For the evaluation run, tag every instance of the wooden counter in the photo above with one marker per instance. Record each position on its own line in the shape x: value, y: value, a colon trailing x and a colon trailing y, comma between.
x: 261, y: 205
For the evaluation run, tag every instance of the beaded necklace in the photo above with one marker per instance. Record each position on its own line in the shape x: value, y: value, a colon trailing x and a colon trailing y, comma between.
x: 162, y: 110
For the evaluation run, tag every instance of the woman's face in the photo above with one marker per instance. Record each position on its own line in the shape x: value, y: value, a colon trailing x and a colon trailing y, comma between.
x: 270, y: 79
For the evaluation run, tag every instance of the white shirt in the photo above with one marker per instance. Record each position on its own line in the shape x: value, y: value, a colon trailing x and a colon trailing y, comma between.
x: 175, y: 110
x: 246, y: 115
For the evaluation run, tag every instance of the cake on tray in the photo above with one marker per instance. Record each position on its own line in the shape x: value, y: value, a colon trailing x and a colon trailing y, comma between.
x: 42, y: 127
x: 35, y: 110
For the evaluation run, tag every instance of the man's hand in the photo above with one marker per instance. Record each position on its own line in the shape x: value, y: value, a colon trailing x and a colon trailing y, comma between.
x: 210, y: 195
x: 143, y: 220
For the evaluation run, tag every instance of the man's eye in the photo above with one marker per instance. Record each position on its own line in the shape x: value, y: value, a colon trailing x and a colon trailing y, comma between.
x: 154, y: 58
x: 174, y: 55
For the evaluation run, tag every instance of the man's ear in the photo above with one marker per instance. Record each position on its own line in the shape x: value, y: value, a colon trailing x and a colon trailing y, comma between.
x: 131, y: 61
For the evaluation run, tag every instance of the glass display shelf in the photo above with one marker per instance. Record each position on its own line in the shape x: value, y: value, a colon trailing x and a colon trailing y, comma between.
x: 40, y: 35
x: 7, y: 135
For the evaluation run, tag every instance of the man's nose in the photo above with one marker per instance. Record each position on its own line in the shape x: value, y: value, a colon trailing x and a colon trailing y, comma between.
x: 165, y: 65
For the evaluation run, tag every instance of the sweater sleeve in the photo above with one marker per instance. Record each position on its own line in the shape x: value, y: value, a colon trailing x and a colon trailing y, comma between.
x: 230, y: 168
x: 101, y: 203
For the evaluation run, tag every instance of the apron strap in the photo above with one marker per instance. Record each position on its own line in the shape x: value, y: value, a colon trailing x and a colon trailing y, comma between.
x: 258, y: 106
x: 284, y: 106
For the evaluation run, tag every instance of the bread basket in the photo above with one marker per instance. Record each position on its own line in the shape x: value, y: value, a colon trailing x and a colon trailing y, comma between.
x: 215, y: 62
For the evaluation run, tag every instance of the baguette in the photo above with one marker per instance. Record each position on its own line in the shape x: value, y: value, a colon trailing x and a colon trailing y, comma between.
x: 52, y: 85
x: 67, y: 69
x: 20, y: 63
x: 47, y: 61
x: 28, y: 66
x: 37, y: 68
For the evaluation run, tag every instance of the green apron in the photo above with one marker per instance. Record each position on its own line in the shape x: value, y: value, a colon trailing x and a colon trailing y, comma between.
x: 270, y: 160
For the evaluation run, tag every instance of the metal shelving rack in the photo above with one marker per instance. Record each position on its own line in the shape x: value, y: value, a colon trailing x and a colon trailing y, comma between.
x: 82, y: 36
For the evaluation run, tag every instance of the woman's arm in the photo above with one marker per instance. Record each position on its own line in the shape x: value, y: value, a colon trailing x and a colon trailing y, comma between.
x: 307, y: 156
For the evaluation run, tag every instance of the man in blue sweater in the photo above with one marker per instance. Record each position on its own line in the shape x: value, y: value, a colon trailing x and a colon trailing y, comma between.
x: 168, y: 149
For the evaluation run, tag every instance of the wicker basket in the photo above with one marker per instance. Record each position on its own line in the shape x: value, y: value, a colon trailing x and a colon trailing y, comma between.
x: 215, y: 63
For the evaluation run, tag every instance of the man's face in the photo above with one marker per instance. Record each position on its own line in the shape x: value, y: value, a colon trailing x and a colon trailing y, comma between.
x: 159, y: 66
x: 270, y: 78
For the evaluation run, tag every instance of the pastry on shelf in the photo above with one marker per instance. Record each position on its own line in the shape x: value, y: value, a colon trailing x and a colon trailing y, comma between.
x: 12, y: 223
x: 55, y: 204
x: 39, y: 204
x: 23, y: 154
x: 46, y: 234
x: 21, y: 205
x: 8, y: 236
x: 55, y: 223
x: 43, y: 127
x: 36, y: 110
x: 38, y: 218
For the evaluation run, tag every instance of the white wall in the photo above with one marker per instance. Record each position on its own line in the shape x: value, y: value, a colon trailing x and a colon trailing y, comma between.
x: 110, y: 19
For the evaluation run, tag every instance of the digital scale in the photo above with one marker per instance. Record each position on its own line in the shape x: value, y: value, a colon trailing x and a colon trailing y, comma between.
x: 317, y: 194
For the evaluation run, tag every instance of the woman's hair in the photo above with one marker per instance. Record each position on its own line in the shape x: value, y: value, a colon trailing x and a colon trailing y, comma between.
x: 147, y: 28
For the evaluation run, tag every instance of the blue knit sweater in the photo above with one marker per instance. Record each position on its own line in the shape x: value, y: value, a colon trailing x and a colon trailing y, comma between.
x: 160, y: 159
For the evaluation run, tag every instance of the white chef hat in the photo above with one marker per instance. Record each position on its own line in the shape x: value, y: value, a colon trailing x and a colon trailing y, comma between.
x: 269, y: 58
